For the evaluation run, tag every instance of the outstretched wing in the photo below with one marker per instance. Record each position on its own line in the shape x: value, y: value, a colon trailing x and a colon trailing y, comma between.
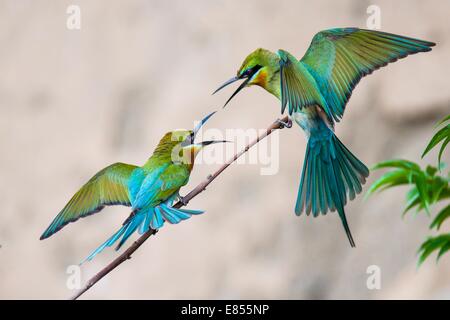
x: 107, y: 187
x: 298, y: 87
x: 339, y: 58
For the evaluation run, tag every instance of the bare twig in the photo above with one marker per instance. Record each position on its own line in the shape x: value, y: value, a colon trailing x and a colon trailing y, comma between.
x: 198, y: 189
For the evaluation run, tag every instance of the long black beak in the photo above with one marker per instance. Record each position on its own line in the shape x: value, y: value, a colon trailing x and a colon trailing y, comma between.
x: 201, y: 123
x: 207, y: 143
x: 230, y: 81
x: 234, y: 79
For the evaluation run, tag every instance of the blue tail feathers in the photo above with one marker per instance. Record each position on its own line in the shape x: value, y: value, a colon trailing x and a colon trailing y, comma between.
x: 142, y: 221
x: 330, y: 174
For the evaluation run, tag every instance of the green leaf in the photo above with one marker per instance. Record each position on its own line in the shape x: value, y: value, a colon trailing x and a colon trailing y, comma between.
x: 387, y: 180
x: 428, y: 187
x: 431, y: 171
x: 445, y: 194
x: 397, y: 163
x: 412, y: 200
x: 445, y: 119
x: 443, y: 250
x: 441, y: 243
x: 437, y: 186
x: 440, y: 218
x: 423, y: 192
x: 444, y: 144
x: 442, y: 134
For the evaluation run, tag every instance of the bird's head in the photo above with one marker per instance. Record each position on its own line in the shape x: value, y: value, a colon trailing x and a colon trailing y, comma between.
x: 180, y: 145
x: 261, y: 67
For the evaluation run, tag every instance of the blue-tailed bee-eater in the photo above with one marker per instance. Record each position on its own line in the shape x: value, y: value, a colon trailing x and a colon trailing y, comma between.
x: 315, y: 90
x: 149, y: 190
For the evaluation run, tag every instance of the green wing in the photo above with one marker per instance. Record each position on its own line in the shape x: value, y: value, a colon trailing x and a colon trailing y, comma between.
x: 107, y: 187
x: 298, y: 88
x: 339, y: 58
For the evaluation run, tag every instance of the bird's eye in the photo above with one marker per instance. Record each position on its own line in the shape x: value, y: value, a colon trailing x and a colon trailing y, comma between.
x: 251, y: 71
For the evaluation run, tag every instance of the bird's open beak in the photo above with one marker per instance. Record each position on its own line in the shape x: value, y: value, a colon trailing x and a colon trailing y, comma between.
x: 201, y: 123
x: 207, y: 143
x: 234, y: 79
x: 198, y: 127
x: 230, y: 81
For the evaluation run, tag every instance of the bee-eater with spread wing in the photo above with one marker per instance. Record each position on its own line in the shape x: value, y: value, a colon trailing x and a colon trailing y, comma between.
x: 150, y: 190
x: 316, y: 90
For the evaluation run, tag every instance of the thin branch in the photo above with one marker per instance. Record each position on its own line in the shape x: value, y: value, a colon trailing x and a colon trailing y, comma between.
x: 197, y: 190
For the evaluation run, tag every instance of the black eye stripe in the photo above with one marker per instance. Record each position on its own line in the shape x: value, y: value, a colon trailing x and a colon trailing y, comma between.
x: 250, y: 72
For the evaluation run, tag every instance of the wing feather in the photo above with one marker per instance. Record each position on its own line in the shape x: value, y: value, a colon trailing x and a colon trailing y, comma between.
x: 334, y: 63
x: 298, y: 88
x: 108, y: 187
x: 339, y: 58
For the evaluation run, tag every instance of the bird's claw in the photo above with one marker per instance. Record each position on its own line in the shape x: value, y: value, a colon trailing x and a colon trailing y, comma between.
x: 183, y: 200
x: 285, y: 124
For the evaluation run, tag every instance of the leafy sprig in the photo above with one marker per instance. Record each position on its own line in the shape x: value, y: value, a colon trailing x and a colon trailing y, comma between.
x: 428, y: 187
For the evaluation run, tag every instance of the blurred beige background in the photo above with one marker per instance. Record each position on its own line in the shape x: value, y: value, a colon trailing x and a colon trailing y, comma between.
x: 74, y: 101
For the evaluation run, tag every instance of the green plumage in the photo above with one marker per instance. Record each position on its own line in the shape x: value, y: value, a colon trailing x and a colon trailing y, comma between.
x: 108, y: 187
x: 337, y: 59
x: 315, y: 90
x: 330, y: 174
x: 150, y: 190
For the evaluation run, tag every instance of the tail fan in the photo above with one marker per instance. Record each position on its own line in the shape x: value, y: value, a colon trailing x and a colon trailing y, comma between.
x: 142, y: 221
x: 330, y: 174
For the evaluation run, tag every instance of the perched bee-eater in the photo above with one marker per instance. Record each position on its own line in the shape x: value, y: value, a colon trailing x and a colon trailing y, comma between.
x: 316, y: 90
x: 150, y: 190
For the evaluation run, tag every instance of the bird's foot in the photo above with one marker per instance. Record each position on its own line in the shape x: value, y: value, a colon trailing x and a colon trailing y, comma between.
x: 285, y: 124
x: 183, y: 200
